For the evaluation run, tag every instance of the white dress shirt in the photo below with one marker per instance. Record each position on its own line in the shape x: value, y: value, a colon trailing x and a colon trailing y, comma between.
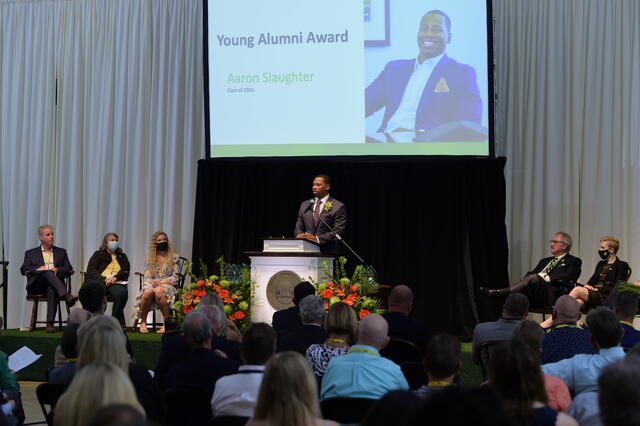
x: 236, y: 395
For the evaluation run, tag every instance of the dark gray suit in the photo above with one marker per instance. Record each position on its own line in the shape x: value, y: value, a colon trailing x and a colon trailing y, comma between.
x: 336, y: 217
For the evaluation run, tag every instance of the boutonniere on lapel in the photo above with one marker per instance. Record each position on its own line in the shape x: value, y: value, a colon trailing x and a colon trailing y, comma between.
x: 562, y: 264
x: 327, y: 206
x: 442, y: 86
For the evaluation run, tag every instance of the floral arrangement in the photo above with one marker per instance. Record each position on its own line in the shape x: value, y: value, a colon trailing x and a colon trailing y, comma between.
x: 233, y: 286
x: 354, y: 291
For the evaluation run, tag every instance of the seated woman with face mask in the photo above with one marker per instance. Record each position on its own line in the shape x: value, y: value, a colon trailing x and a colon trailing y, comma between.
x: 110, y: 266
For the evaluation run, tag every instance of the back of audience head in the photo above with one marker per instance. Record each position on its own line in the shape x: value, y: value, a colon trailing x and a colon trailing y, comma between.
x: 457, y: 406
x: 302, y: 290
x: 566, y: 310
x: 626, y: 306
x: 213, y: 315
x: 516, y: 306
x: 442, y: 359
x: 69, y: 341
x: 604, y: 327
x: 101, y: 339
x: 400, y: 299
x: 288, y: 393
x: 393, y: 408
x: 98, y: 385
x: 92, y: 297
x: 258, y: 344
x: 341, y: 319
x: 530, y: 333
x: 514, y: 371
x: 118, y: 415
x: 311, y: 310
x: 619, y: 393
x: 372, y: 331
x: 211, y: 299
x: 197, y: 330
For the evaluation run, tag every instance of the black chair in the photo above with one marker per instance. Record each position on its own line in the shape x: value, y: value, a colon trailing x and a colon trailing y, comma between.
x: 414, y: 373
x: 346, y: 410
x: 401, y: 351
x: 48, y: 395
x: 37, y: 298
x: 485, y: 351
x: 229, y: 421
x: 188, y: 407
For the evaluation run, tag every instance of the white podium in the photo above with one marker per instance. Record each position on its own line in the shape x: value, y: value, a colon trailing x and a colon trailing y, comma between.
x: 283, y: 263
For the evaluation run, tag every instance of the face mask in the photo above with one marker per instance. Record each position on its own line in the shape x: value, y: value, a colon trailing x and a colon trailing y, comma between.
x: 162, y: 246
x: 113, y: 245
x: 603, y: 254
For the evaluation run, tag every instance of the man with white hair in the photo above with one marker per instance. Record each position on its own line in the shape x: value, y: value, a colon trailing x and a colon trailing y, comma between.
x: 363, y: 373
x: 310, y: 332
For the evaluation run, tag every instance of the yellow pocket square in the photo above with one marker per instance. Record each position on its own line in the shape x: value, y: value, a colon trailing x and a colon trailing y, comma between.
x: 441, y: 87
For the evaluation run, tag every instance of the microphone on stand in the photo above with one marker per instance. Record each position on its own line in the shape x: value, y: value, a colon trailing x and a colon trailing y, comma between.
x: 339, y: 238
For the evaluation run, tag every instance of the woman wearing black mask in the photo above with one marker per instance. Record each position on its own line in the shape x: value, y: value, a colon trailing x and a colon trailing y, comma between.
x: 609, y: 271
x: 161, y: 275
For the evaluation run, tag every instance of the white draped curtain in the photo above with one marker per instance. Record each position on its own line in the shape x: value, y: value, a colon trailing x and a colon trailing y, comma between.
x: 101, y: 127
x: 568, y: 121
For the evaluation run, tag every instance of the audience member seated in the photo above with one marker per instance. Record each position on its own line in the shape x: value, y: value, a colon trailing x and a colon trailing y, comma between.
x: 101, y: 339
x: 46, y: 267
x: 401, y: 326
x: 310, y: 332
x: 287, y: 320
x: 9, y: 385
x: 93, y: 297
x: 580, y: 373
x: 532, y: 334
x: 341, y: 323
x: 442, y: 362
x: 288, y: 394
x: 363, y: 373
x: 161, y: 276
x: 118, y: 415
x: 110, y: 267
x: 626, y: 308
x: 228, y: 328
x: 565, y: 339
x: 515, y: 373
x: 203, y: 366
x: 77, y: 316
x: 175, y: 349
x: 97, y: 385
x: 551, y: 278
x: 619, y: 393
x: 236, y: 395
x: 456, y: 406
x: 514, y: 310
x: 393, y: 408
x: 63, y: 374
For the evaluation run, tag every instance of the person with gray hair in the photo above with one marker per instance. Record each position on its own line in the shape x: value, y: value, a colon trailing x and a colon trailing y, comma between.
x: 363, y: 373
x: 203, y: 367
x: 310, y: 332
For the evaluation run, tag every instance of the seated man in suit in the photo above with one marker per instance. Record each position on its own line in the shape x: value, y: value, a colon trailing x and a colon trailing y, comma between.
x: 426, y: 92
x: 401, y: 326
x: 202, y: 367
x: 551, y: 278
x: 46, y: 267
x: 288, y: 319
x: 310, y: 332
x: 321, y: 218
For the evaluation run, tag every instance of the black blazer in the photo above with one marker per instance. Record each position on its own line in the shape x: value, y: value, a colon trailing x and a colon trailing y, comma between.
x: 33, y: 260
x: 200, y: 370
x: 566, y: 272
x: 301, y: 338
x: 101, y: 259
x: 403, y: 327
x: 336, y: 218
x: 286, y: 320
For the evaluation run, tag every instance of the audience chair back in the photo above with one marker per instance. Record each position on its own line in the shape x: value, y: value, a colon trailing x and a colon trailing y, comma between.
x: 35, y: 299
x: 48, y: 395
x: 346, y: 410
x: 401, y: 351
x: 229, y: 421
x: 188, y: 407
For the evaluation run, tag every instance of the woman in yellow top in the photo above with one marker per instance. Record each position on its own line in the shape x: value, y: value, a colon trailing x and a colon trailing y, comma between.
x: 110, y: 266
x: 161, y: 276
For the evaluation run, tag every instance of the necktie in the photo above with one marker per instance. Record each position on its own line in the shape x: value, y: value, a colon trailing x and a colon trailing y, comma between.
x: 551, y: 265
x: 316, y: 214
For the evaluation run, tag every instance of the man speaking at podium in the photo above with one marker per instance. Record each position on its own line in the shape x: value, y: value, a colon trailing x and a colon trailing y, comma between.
x: 321, y: 218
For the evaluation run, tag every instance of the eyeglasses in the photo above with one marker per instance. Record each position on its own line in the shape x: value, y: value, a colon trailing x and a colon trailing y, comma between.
x: 556, y: 242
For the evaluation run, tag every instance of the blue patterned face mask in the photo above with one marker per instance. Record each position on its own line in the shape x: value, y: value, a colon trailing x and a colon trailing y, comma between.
x: 113, y: 245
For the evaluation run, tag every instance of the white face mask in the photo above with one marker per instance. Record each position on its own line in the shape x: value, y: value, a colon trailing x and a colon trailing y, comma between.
x: 113, y: 245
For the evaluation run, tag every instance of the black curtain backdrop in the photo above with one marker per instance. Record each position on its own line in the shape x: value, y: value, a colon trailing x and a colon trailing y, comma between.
x: 434, y: 224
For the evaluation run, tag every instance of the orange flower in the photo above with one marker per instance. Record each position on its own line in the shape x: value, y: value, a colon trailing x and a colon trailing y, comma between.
x: 330, y: 284
x: 186, y: 296
x: 199, y: 293
x: 224, y: 294
x: 197, y: 300
x: 231, y: 318
x: 341, y: 293
x: 327, y: 293
x: 228, y: 300
x: 364, y: 313
x: 354, y: 288
x: 216, y: 287
x: 187, y: 309
x: 200, y: 283
x: 239, y: 314
x: 348, y: 302
x: 326, y: 305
